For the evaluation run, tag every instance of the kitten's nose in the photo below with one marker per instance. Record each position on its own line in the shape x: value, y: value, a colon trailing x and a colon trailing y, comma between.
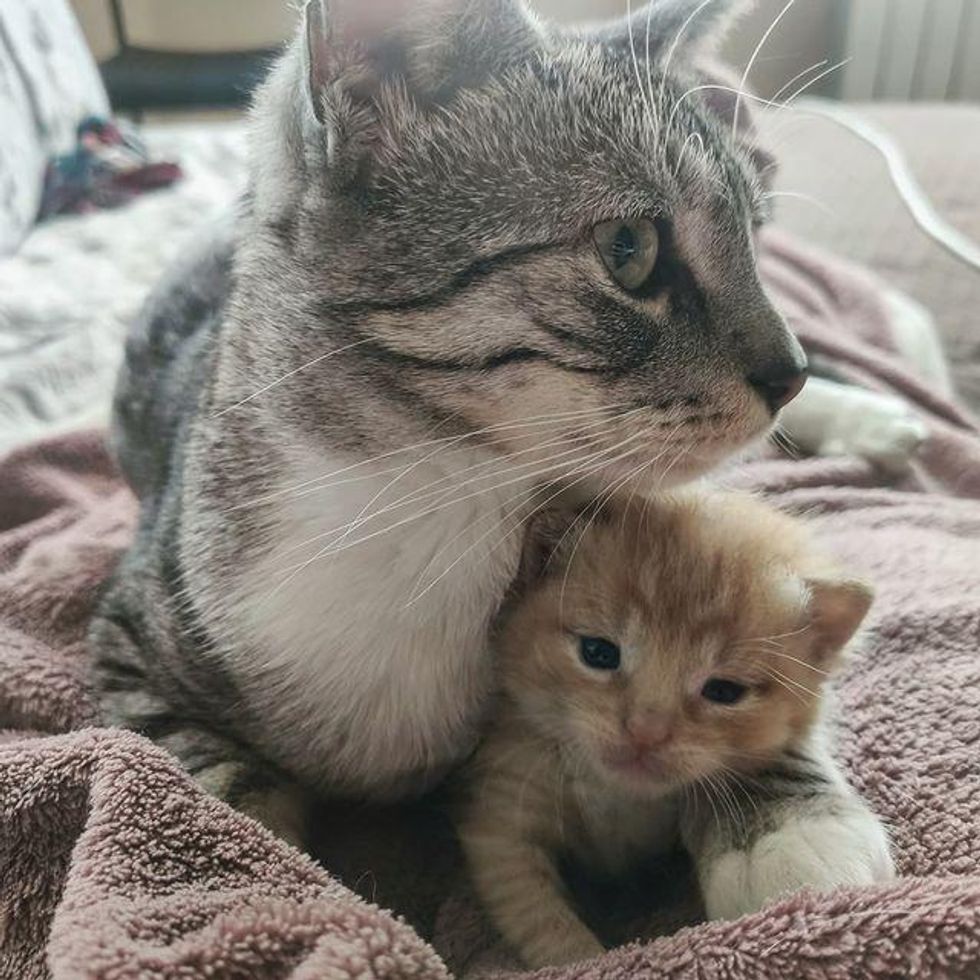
x: 779, y: 386
x: 649, y: 731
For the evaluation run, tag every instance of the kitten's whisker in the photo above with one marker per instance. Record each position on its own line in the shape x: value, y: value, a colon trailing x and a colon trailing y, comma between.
x: 777, y: 636
x: 802, y: 663
x: 784, y: 679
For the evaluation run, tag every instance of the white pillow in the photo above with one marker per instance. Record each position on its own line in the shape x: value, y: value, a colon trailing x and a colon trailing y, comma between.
x: 49, y: 83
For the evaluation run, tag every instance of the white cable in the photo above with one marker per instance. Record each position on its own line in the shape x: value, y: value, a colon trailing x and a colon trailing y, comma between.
x: 909, y: 189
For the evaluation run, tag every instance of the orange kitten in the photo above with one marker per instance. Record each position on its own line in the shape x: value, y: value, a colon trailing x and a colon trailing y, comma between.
x: 680, y: 641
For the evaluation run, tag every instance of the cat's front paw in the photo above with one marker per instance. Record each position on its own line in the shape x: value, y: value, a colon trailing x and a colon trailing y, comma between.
x: 880, y: 429
x: 819, y: 852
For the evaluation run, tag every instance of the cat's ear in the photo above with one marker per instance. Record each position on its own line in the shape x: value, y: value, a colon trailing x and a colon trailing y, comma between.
x: 549, y: 536
x: 432, y: 47
x: 836, y: 608
x: 682, y: 30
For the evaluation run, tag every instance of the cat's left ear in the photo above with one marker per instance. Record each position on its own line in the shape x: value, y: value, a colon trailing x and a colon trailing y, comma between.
x: 432, y: 47
x: 684, y: 30
x: 835, y: 609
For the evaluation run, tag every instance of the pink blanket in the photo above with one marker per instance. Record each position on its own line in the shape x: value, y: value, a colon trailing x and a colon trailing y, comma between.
x: 113, y: 865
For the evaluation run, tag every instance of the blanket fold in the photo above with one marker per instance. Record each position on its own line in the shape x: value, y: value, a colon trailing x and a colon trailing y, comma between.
x: 114, y: 865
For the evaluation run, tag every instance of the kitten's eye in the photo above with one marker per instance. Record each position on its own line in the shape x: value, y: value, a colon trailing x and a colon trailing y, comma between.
x: 597, y: 653
x: 628, y: 249
x: 721, y: 691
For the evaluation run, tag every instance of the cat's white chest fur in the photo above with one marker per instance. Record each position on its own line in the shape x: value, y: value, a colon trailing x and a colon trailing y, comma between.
x: 367, y: 628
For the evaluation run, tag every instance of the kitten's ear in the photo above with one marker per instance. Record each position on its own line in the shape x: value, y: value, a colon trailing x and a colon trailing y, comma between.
x: 548, y: 537
x: 836, y: 608
x: 432, y: 46
x: 679, y: 29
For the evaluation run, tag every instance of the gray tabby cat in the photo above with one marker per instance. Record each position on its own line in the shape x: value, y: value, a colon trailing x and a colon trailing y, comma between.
x: 482, y: 262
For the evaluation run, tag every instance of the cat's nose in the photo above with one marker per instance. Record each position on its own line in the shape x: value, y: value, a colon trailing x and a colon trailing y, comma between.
x: 779, y: 385
x: 649, y: 731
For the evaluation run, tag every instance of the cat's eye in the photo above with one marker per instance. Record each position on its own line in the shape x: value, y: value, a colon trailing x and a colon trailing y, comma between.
x: 628, y: 249
x: 597, y: 653
x: 720, y: 691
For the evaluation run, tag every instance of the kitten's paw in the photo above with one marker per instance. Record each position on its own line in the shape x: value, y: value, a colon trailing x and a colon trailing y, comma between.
x: 822, y: 853
x: 880, y: 429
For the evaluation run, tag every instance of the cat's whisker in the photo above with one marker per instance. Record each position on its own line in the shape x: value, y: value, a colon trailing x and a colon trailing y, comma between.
x: 333, y: 547
x: 522, y: 479
x: 678, y: 37
x: 813, y: 81
x: 644, y: 95
x: 799, y: 196
x: 289, y: 374
x: 598, y: 504
x: 576, y: 434
x: 782, y: 440
x: 602, y: 464
x: 684, y: 146
x: 366, y: 509
x: 798, y: 77
x: 778, y: 123
x: 554, y: 461
x: 751, y: 64
x: 604, y: 419
x: 562, y: 488
x: 447, y: 441
x: 505, y: 504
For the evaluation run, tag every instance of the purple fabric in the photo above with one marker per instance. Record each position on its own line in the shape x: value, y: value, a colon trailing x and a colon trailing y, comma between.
x: 112, y: 863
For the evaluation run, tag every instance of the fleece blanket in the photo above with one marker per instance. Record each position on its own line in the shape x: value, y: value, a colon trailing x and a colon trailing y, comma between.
x: 113, y: 864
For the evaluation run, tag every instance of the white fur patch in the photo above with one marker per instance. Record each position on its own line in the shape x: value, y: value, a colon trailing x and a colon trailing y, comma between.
x: 822, y: 853
x: 831, y: 419
x: 364, y: 636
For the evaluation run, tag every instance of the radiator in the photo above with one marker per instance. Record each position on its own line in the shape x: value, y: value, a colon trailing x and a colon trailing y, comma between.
x: 912, y: 49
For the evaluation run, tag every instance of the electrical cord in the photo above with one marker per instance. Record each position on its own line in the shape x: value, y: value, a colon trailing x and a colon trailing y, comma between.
x: 906, y: 184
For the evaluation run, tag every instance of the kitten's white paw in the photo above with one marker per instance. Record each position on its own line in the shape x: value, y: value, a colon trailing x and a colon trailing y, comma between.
x: 822, y: 853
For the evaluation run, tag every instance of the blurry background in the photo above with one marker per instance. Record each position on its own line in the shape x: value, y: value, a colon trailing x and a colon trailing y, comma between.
x: 184, y: 52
